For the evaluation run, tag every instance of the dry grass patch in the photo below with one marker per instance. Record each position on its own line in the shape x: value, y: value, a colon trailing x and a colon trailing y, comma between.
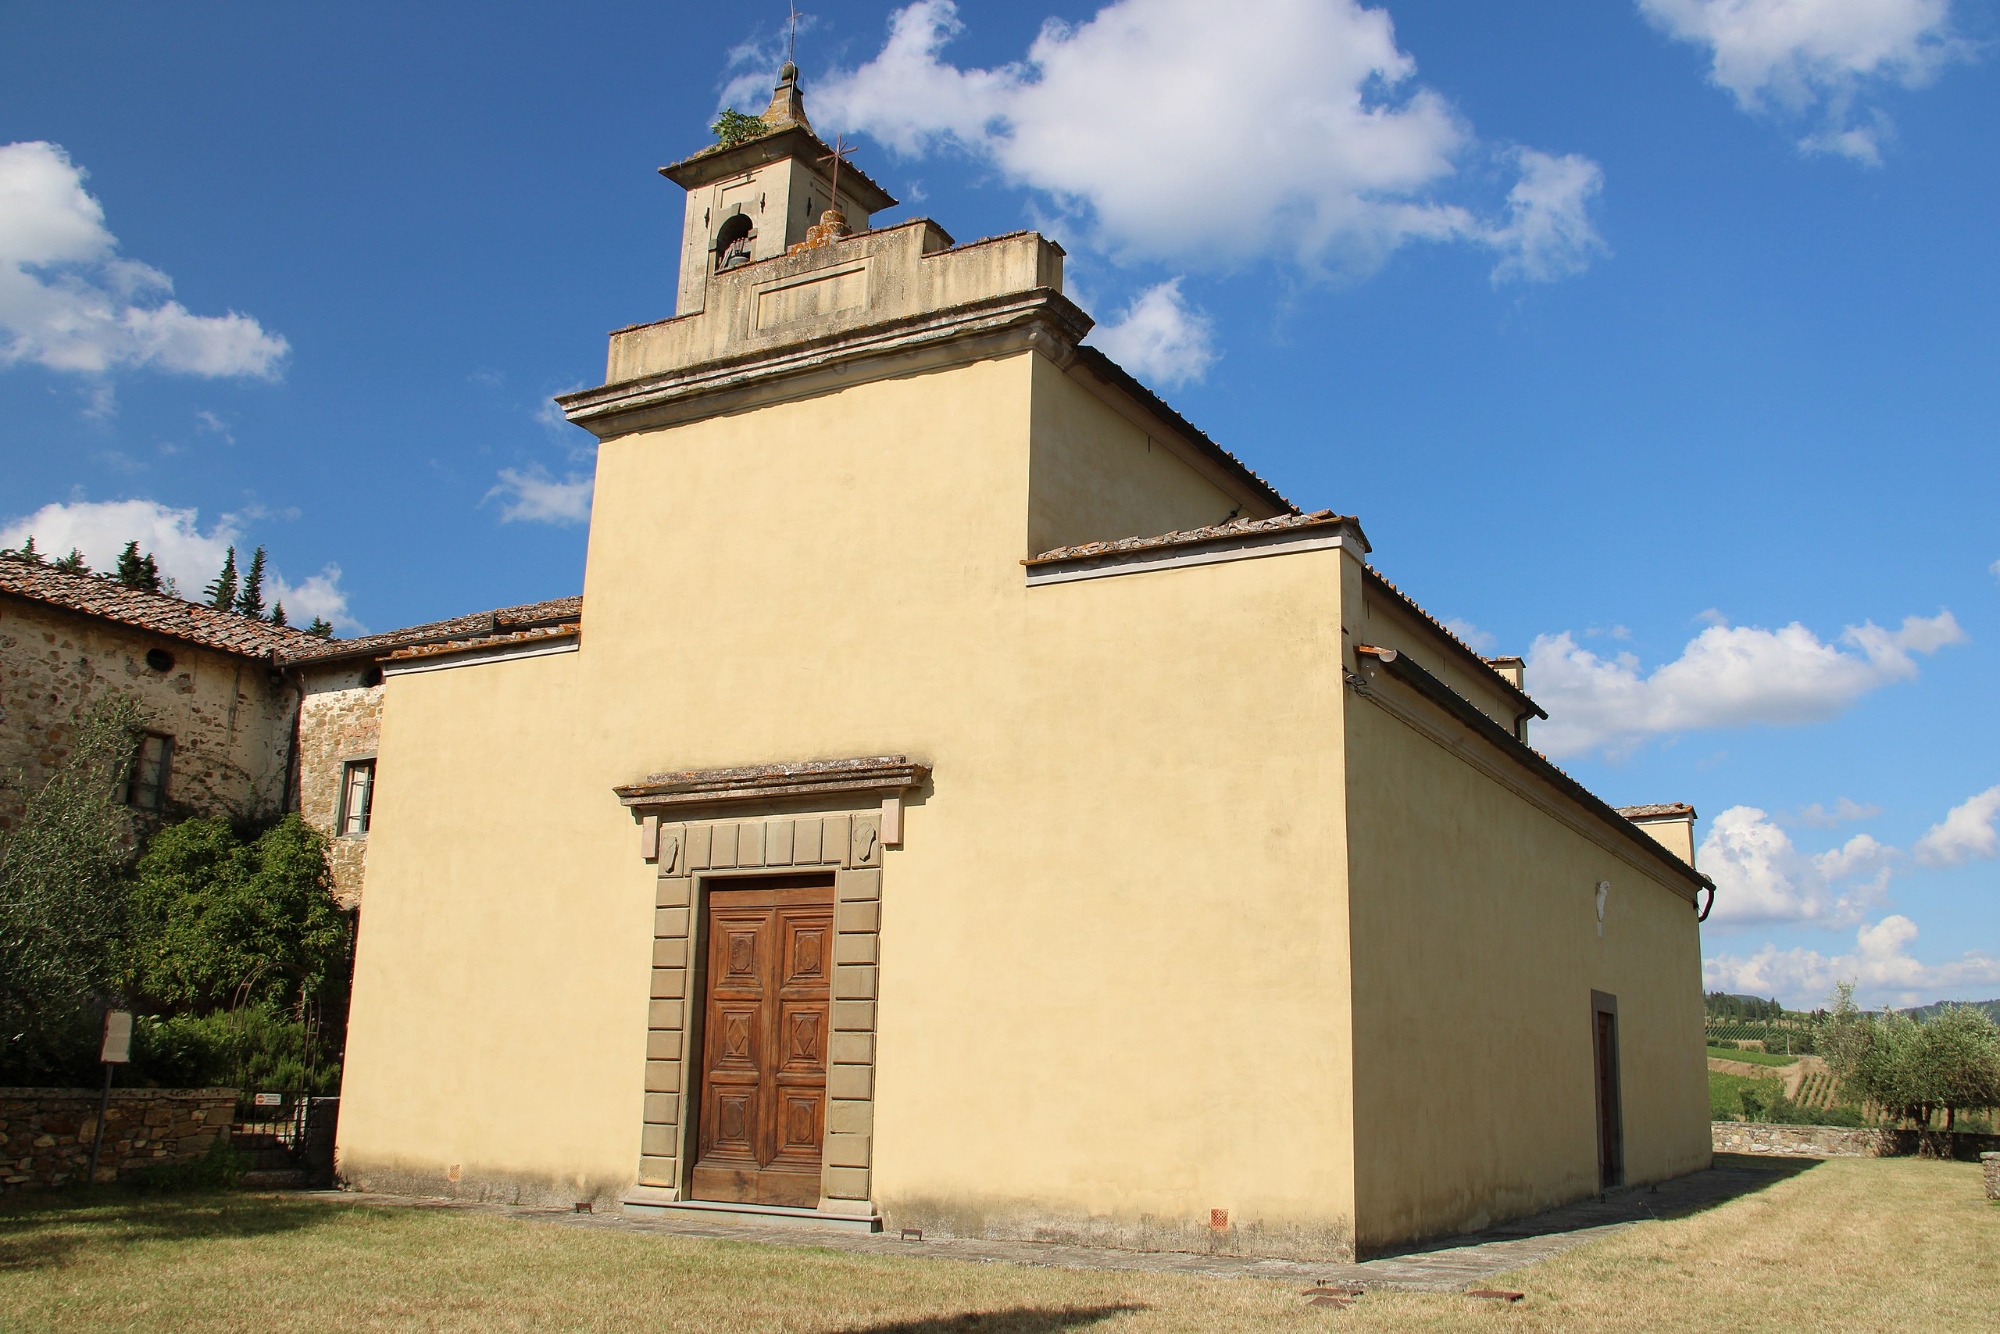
x: 1849, y: 1244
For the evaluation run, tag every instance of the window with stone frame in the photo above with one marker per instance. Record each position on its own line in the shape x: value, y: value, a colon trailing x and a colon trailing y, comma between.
x: 357, y: 796
x: 151, y: 763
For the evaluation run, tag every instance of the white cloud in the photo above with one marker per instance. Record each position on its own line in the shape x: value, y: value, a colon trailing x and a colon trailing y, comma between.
x: 101, y: 528
x: 69, y: 303
x: 1881, y: 968
x: 1472, y: 634
x: 1159, y: 337
x: 1190, y: 131
x: 530, y: 495
x: 1727, y: 676
x: 1966, y: 833
x: 1761, y: 877
x: 1994, y: 569
x: 1817, y: 59
x: 1548, y: 233
x: 1841, y: 812
x: 315, y: 595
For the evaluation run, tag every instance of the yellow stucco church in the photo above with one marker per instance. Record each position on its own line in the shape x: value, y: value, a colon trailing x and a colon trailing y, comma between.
x: 971, y: 799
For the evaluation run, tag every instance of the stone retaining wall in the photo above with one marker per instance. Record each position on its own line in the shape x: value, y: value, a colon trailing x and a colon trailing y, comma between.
x: 1991, y: 1162
x: 1840, y: 1141
x: 45, y: 1134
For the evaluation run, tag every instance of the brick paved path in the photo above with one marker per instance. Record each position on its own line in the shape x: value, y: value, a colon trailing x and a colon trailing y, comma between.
x: 1448, y: 1266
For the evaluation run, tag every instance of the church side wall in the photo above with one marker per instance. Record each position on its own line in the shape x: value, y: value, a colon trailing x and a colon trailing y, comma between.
x: 231, y: 722
x: 1096, y: 476
x: 1475, y: 955
x: 1110, y: 995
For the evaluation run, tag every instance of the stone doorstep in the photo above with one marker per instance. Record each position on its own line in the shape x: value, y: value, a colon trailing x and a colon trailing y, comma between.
x: 645, y: 1202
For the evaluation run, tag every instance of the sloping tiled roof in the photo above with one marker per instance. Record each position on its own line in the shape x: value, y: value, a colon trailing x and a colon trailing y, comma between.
x: 566, y: 631
x: 1189, y: 537
x: 1658, y: 811
x: 170, y: 617
x: 1467, y: 653
x: 459, y: 630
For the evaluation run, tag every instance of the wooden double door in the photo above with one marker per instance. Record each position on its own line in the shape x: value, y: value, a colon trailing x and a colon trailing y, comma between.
x: 767, y: 994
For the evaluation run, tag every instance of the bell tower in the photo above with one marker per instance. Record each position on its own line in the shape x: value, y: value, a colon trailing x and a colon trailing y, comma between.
x: 755, y: 199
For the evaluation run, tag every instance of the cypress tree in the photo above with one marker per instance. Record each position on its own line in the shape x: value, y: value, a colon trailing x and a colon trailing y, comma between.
x: 131, y: 571
x: 250, y: 600
x: 73, y: 563
x: 149, y: 574
x: 320, y: 628
x: 221, y: 594
x: 278, y: 615
x: 27, y: 552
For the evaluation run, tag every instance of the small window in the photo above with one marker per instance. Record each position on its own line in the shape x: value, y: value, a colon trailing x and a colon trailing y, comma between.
x: 357, y: 796
x: 159, y: 660
x: 147, y: 788
x: 371, y: 675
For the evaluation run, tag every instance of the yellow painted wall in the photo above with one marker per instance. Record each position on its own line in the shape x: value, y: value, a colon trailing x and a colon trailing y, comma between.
x: 1098, y: 476
x: 1475, y: 953
x: 1113, y: 989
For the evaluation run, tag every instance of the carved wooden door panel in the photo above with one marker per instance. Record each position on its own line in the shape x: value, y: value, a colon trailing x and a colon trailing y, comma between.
x: 763, y: 1065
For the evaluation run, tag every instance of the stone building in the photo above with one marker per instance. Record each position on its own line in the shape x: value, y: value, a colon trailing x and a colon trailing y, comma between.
x: 220, y: 705
x: 245, y: 719
x: 970, y: 798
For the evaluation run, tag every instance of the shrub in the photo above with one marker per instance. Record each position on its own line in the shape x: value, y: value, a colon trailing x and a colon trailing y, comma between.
x: 732, y: 127
x: 211, y: 911
x: 249, y: 1049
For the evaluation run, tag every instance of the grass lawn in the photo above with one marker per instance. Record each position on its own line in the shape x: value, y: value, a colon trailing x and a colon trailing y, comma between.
x: 1864, y: 1244
x: 1752, y: 1057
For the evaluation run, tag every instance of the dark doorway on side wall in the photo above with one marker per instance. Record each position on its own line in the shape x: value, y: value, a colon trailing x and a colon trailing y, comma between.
x: 1610, y: 1121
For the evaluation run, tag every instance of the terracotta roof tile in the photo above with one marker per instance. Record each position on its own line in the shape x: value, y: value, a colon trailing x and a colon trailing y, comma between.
x: 487, y: 641
x: 1471, y: 654
x: 1213, y: 533
x: 170, y: 617
x: 1659, y: 810
x: 459, y: 629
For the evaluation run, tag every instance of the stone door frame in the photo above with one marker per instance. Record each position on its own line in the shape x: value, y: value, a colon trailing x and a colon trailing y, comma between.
x: 703, y: 828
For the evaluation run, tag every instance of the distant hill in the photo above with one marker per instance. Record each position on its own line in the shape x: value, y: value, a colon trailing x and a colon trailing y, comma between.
x: 1992, y: 1007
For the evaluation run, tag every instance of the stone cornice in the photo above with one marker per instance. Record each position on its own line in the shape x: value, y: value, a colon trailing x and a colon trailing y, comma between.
x: 887, y: 775
x: 1042, y: 319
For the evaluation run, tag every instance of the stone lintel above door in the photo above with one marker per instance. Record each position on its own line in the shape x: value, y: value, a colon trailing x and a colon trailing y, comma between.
x: 677, y: 791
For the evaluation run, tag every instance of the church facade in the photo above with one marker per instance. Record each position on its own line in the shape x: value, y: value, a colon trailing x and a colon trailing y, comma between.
x: 969, y: 798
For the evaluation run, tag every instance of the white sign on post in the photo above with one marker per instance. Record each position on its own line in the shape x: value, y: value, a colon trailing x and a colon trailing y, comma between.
x: 117, y: 1037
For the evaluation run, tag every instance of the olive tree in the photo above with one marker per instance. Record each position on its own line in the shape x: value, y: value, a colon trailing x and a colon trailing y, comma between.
x: 63, y: 892
x: 1914, y: 1071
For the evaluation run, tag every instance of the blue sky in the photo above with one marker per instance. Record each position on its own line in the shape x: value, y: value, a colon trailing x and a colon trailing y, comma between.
x: 1661, y: 328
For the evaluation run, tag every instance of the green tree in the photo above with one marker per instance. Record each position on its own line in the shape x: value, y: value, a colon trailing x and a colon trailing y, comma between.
x: 63, y: 899
x: 320, y: 628
x: 733, y: 127
x: 26, y: 551
x: 211, y: 909
x: 278, y: 615
x: 1914, y: 1071
x: 74, y: 563
x: 221, y: 594
x: 250, y: 598
x: 138, y: 571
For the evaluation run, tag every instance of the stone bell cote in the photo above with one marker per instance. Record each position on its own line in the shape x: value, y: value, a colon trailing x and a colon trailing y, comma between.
x: 754, y: 199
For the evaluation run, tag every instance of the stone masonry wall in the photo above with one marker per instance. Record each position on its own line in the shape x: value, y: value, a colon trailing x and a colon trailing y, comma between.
x: 339, y: 720
x: 1990, y: 1163
x: 230, y: 720
x: 1839, y: 1141
x: 45, y: 1134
